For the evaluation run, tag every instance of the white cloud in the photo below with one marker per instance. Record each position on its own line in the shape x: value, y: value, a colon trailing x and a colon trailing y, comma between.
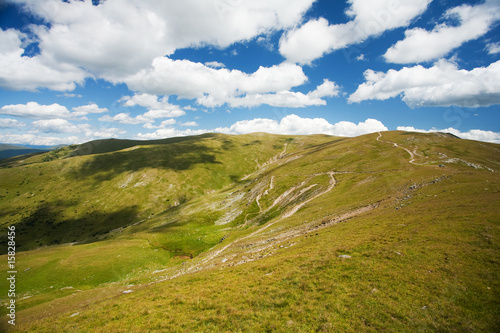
x: 295, y: 125
x: 57, y: 126
x: 192, y: 80
x: 106, y: 133
x: 421, y: 45
x: 169, y: 133
x: 144, y: 100
x: 153, y: 114
x: 96, y: 38
x: 36, y: 111
x: 125, y: 118
x: 282, y: 98
x: 369, y: 18
x: 70, y: 95
x: 475, y: 134
x: 88, y: 109
x: 361, y: 57
x: 441, y: 85
x: 215, y: 64
x: 10, y: 123
x: 493, y: 48
x: 214, y: 87
x: 19, y: 72
x: 190, y: 124
x: 164, y: 124
x: 291, y: 124
x: 35, y: 139
x: 158, y: 108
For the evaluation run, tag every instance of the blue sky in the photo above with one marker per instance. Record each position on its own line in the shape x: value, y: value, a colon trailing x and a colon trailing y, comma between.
x: 75, y: 71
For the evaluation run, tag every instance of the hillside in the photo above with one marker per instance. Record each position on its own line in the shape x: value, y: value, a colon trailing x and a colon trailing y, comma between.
x: 390, y: 231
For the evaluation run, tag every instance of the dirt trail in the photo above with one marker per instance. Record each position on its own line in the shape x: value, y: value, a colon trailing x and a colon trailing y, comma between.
x: 412, y: 153
x: 204, y: 262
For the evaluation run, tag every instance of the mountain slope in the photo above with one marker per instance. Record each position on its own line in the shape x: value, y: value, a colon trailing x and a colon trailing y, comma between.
x: 384, y: 232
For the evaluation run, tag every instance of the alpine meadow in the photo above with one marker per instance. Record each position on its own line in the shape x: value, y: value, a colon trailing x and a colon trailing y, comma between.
x: 249, y: 166
x: 391, y: 231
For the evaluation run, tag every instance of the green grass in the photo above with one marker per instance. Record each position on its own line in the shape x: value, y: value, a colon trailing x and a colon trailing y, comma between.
x: 426, y: 259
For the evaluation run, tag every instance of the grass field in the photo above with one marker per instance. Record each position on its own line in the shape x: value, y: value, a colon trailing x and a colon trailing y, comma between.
x: 257, y: 233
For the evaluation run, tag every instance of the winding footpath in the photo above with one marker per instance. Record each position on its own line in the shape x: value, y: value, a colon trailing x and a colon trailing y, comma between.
x: 412, y: 153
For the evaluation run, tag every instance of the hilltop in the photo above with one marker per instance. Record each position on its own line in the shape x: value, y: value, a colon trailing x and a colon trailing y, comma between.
x: 391, y: 231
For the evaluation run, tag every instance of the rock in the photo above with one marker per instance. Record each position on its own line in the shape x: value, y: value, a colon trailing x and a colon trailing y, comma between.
x: 345, y: 256
x: 128, y: 291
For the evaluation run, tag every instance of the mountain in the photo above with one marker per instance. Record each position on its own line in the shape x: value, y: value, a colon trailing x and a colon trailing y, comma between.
x: 8, y: 151
x: 391, y: 231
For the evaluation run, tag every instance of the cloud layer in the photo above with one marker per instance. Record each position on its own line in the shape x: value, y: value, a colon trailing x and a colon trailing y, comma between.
x: 421, y: 45
x: 441, y: 85
x: 83, y: 40
x: 213, y: 87
x: 295, y: 125
x: 369, y: 18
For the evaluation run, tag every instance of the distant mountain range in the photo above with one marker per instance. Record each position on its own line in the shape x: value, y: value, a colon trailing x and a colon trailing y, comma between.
x: 10, y: 150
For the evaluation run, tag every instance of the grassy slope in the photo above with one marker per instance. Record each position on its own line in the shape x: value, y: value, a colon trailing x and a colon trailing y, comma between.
x: 425, y: 259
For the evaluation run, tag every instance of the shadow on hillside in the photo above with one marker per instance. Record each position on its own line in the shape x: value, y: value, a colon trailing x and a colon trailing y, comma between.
x: 173, y: 157
x: 322, y: 146
x: 46, y: 226
x: 112, y: 145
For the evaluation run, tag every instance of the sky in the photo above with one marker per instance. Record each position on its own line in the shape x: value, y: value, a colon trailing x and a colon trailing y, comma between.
x: 75, y: 71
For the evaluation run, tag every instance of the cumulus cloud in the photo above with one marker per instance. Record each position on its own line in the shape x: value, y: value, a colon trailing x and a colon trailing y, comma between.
x: 95, y: 38
x: 36, y: 111
x: 493, y: 48
x: 291, y: 124
x: 109, y: 132
x: 369, y: 18
x: 283, y: 98
x: 88, y: 109
x: 215, y: 64
x: 82, y: 41
x: 57, y: 126
x: 214, y: 87
x: 125, y: 118
x: 169, y: 133
x: 295, y: 125
x: 20, y: 72
x: 421, y: 45
x: 191, y: 80
x: 190, y: 124
x: 10, y: 123
x: 35, y: 139
x: 163, y: 124
x: 441, y: 85
x: 475, y: 134
x: 158, y: 108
